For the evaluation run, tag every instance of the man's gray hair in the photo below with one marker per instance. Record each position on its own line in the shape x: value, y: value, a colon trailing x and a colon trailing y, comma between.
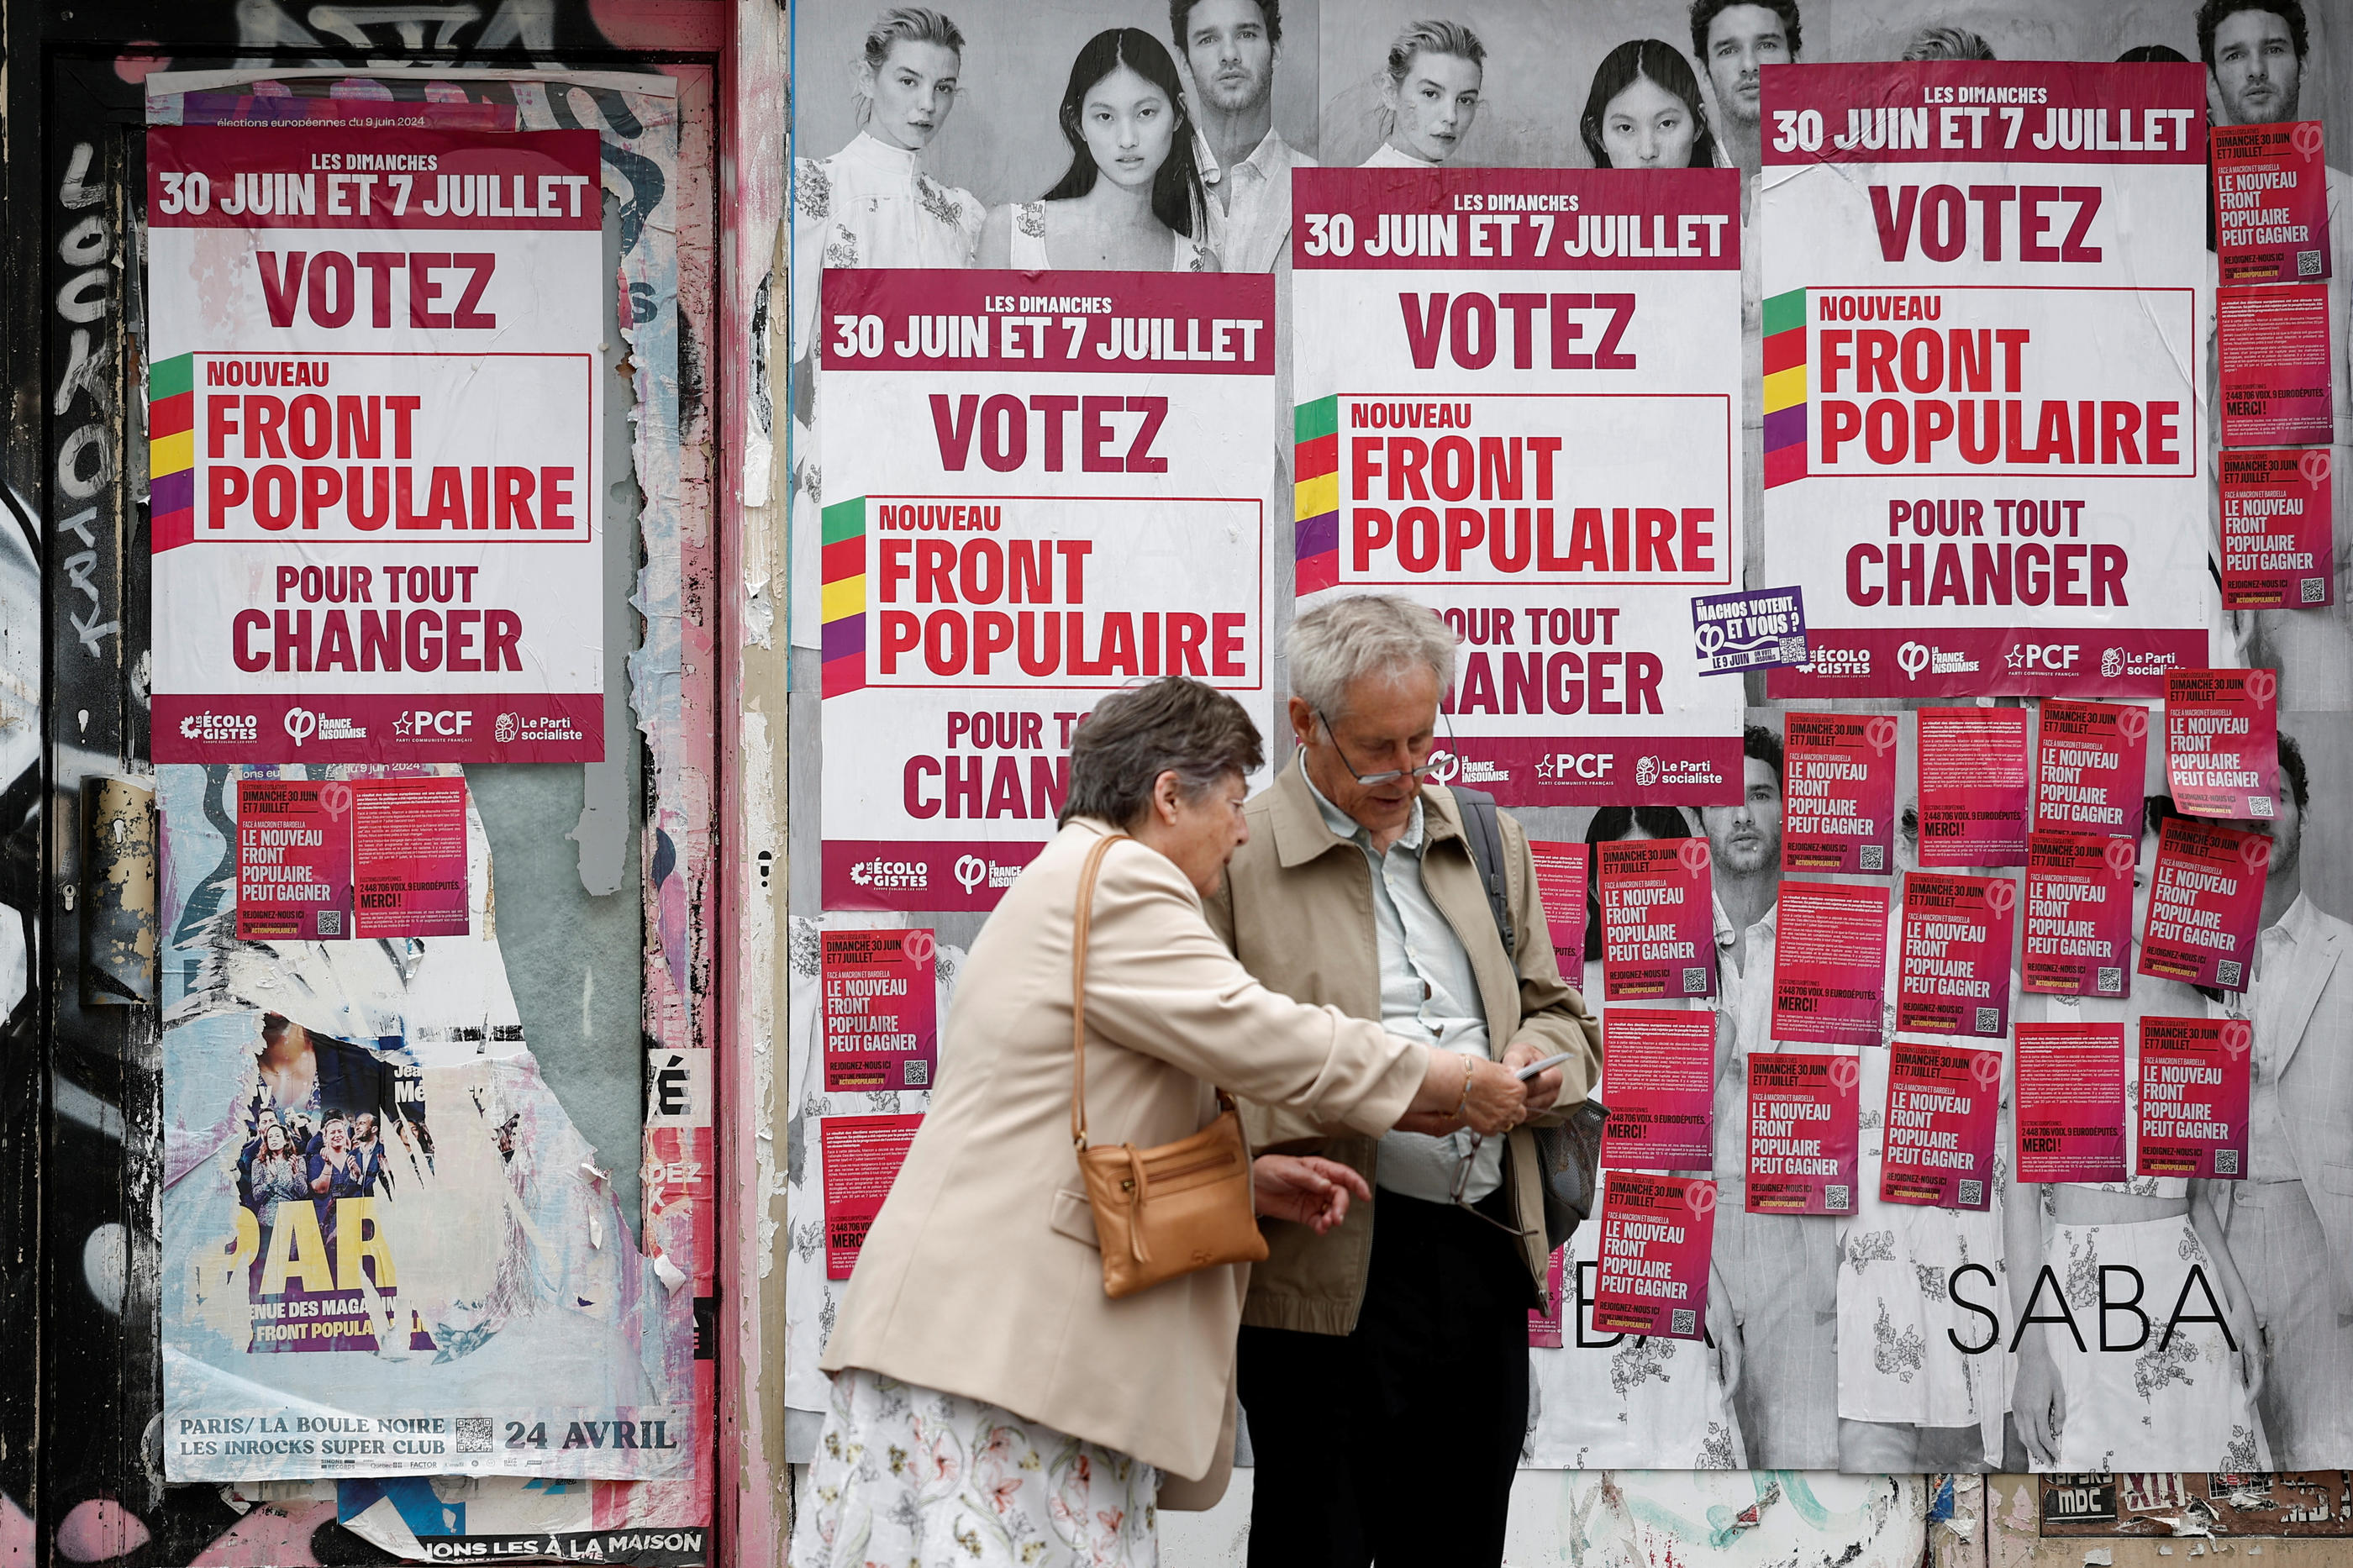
x: 1383, y: 635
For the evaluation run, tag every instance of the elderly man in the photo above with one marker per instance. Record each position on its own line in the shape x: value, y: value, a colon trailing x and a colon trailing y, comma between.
x: 1383, y: 1367
x: 2289, y: 1225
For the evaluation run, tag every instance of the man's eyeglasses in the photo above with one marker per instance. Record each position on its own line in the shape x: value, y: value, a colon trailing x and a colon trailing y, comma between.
x: 1462, y: 1183
x: 1420, y: 771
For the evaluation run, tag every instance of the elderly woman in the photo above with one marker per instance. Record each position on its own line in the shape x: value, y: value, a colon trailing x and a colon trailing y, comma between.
x: 989, y: 1399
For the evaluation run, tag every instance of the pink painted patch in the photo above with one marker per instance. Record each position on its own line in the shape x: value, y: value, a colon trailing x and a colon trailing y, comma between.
x: 660, y: 23
x: 268, y: 1537
x: 135, y: 68
x: 16, y: 1535
x: 98, y: 1531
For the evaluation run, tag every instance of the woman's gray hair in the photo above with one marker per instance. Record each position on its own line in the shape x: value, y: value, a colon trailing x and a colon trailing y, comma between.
x: 1383, y: 635
x: 1170, y: 725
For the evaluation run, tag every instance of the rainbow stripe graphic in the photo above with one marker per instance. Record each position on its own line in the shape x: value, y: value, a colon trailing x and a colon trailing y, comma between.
x: 841, y: 576
x: 1315, y: 494
x: 1785, y: 388
x: 171, y: 452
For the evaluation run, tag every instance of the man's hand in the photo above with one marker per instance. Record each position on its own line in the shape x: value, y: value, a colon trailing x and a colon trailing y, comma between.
x: 1542, y: 1088
x: 1305, y: 1189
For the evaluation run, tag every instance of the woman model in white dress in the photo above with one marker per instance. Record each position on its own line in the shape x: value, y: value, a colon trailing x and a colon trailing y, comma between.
x: 1430, y: 90
x: 870, y: 204
x: 1131, y: 200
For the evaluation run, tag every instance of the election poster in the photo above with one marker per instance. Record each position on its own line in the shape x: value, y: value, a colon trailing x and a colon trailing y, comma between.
x: 1981, y: 327
x: 2089, y: 764
x: 1661, y: 1066
x: 2194, y: 1083
x: 1516, y: 395
x: 1561, y: 883
x: 882, y: 1024
x: 1940, y: 1115
x: 1658, y: 933
x: 1829, y: 959
x: 2079, y: 908
x: 1974, y: 788
x: 2222, y: 741
x: 2271, y: 202
x: 2274, y: 349
x: 2279, y: 550
x: 1802, y: 1134
x: 862, y: 1156
x: 1838, y: 792
x: 2070, y: 1102
x: 1652, y: 1275
x: 373, y: 403
x: 1034, y: 500
x: 2206, y: 898
x: 1957, y: 936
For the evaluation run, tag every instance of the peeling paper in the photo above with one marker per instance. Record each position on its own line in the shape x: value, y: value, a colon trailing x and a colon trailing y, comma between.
x: 2100, y: 1557
x: 669, y: 1273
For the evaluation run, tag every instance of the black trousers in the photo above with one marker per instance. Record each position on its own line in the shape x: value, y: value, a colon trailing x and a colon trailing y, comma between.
x: 1398, y: 1442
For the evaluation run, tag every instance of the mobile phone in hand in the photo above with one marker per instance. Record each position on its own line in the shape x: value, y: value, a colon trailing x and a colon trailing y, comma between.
x: 1529, y: 1073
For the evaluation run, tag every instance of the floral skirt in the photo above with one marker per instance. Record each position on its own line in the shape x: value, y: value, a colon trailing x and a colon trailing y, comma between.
x: 911, y: 1478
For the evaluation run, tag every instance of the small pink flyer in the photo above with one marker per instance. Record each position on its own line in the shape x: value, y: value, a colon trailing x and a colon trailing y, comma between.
x: 1942, y: 1103
x: 1544, y: 1330
x: 1830, y: 963
x: 1838, y: 793
x: 2079, y: 897
x: 1657, y: 1233
x: 294, y: 859
x: 2222, y: 741
x: 1803, y: 1133
x: 2203, y: 904
x: 2271, y: 202
x: 2091, y: 761
x: 1954, y: 977
x: 2278, y: 551
x: 1560, y: 884
x: 862, y: 1155
x: 1658, y: 919
x: 2070, y: 1102
x: 881, y: 1010
x: 2194, y: 1083
x: 408, y: 857
x: 1661, y: 1070
x: 2272, y: 341
x: 1974, y: 792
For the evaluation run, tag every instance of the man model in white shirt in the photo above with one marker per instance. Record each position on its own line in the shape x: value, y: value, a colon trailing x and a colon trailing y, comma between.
x: 1231, y: 47
x: 2289, y: 1224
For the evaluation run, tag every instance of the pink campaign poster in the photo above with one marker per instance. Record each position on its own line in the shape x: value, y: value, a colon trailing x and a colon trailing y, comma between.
x: 1803, y: 1133
x: 1656, y: 1235
x: 1658, y: 919
x: 2271, y: 202
x: 1545, y: 1331
x: 1954, y: 977
x: 2091, y: 760
x: 2203, y: 905
x: 1973, y: 786
x: 1661, y: 1070
x: 2222, y: 741
x: 882, y: 1012
x: 408, y: 857
x: 1830, y: 963
x: 294, y: 859
x: 2079, y: 897
x: 2194, y: 1080
x: 2070, y: 1102
x: 1838, y: 793
x: 862, y: 1156
x: 1942, y: 1102
x: 2277, y: 552
x: 2273, y: 339
x: 1560, y: 884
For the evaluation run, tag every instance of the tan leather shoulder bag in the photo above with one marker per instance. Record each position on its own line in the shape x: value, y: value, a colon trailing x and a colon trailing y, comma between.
x: 1166, y: 1211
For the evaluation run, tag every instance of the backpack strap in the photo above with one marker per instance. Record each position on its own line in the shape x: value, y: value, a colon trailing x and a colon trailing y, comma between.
x: 1484, y: 837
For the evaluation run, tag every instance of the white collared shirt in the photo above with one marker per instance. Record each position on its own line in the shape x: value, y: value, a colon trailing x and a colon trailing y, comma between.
x: 2278, y: 947
x: 1250, y: 229
x: 1389, y: 157
x: 1429, y: 993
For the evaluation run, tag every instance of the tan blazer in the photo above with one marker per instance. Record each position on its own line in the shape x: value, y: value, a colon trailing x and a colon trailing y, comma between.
x: 981, y: 1276
x: 1295, y: 877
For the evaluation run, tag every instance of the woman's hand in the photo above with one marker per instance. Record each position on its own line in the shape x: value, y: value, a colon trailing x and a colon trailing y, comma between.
x: 2038, y: 1400
x: 1305, y: 1189
x: 1460, y: 1091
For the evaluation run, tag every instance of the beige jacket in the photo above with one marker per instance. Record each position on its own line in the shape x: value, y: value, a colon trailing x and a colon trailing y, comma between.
x: 981, y: 1276
x: 1297, y: 909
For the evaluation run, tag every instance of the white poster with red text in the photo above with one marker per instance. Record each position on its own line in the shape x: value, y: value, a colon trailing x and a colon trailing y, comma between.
x: 1983, y: 446
x: 1518, y: 394
x: 372, y: 414
x: 1052, y: 487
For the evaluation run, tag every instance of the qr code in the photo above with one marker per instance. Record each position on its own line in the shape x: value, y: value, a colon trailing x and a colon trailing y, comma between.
x: 1840, y: 1197
x: 1988, y: 1020
x: 2316, y: 590
x: 1695, y: 981
x: 917, y: 1074
x: 1685, y: 1322
x: 1972, y: 1192
x: 2229, y: 972
x: 1792, y: 650
x: 1874, y: 857
x: 2226, y: 1162
x: 2259, y: 806
x: 2111, y: 979
x: 474, y: 1434
x: 2308, y: 264
x: 331, y: 922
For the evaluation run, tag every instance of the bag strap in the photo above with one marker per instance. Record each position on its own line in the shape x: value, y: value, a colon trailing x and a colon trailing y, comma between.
x: 1484, y: 837
x: 1081, y: 920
